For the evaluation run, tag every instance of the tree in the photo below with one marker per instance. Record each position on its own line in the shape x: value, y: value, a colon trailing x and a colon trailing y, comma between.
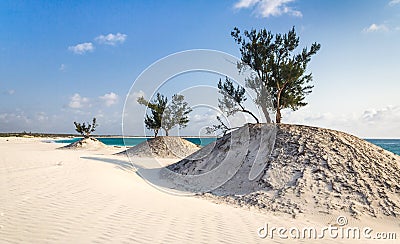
x: 166, y: 117
x: 279, y: 74
x: 176, y: 114
x: 157, y: 107
x: 86, y: 130
x: 231, y: 102
x: 232, y: 98
x: 220, y: 127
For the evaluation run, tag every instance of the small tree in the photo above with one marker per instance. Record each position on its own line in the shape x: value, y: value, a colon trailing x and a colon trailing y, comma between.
x: 232, y: 99
x: 176, y: 114
x: 278, y: 71
x: 157, y: 107
x: 219, y: 127
x: 231, y: 102
x: 166, y: 117
x: 86, y: 130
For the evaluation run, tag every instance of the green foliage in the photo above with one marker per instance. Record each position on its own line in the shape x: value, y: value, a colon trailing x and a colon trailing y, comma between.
x: 86, y: 129
x: 232, y: 98
x: 279, y: 73
x: 163, y: 116
x: 157, y: 107
x: 221, y: 127
x: 176, y: 114
x: 231, y: 102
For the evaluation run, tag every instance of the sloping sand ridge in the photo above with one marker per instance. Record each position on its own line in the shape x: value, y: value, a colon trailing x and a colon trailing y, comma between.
x: 86, y: 143
x: 309, y: 169
x: 163, y: 147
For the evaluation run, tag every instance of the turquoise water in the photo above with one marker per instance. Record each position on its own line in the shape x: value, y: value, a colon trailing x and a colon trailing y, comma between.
x: 392, y: 145
x: 129, y: 142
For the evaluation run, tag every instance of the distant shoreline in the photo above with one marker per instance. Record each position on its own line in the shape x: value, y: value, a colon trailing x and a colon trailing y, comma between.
x: 5, y: 134
x: 22, y: 134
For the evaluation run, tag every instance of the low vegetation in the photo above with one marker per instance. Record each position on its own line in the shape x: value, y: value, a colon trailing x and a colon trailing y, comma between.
x: 166, y: 116
x: 85, y: 129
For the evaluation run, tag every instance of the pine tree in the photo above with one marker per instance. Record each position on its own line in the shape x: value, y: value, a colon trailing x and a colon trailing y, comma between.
x: 86, y: 130
x: 232, y: 102
x: 176, y: 114
x: 157, y: 107
x: 279, y: 74
x: 166, y: 116
x: 232, y: 99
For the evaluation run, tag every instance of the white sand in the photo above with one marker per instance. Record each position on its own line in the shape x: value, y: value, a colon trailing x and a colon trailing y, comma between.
x: 299, y: 169
x: 163, y: 146
x: 67, y: 196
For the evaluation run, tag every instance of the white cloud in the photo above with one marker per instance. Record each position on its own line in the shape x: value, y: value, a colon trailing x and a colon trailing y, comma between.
x: 82, y: 48
x: 370, y: 123
x: 376, y: 28
x: 10, y: 117
x: 109, y: 99
x: 11, y: 92
x: 62, y: 67
x: 266, y: 8
x: 136, y: 95
x: 19, y: 120
x: 42, y: 116
x: 77, y: 101
x: 389, y: 114
x: 111, y: 39
x: 245, y: 4
x: 204, y: 117
x: 14, y: 121
x: 394, y: 2
x: 133, y: 96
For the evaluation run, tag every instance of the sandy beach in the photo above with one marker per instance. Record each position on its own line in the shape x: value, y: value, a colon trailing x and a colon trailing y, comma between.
x: 72, y: 196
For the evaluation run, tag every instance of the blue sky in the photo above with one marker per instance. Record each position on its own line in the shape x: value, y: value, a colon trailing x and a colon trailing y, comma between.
x: 65, y: 61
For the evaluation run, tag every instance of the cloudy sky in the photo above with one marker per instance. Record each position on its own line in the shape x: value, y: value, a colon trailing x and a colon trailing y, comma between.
x: 65, y: 61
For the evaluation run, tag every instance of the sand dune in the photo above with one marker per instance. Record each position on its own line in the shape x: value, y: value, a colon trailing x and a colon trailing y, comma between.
x: 68, y: 196
x: 162, y: 147
x: 86, y: 144
x: 293, y: 168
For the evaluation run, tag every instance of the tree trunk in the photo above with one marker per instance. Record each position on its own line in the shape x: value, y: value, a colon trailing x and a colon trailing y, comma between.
x: 278, y: 115
x: 166, y: 132
x: 247, y: 111
x: 266, y: 114
x: 155, y: 133
x: 256, y: 119
x: 278, y: 107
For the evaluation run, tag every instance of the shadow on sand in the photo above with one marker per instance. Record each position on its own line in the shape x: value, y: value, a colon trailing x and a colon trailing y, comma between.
x: 150, y: 175
x: 121, y: 164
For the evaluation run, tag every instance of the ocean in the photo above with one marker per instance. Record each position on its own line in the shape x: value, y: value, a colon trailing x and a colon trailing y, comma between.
x: 133, y: 141
x: 392, y: 145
